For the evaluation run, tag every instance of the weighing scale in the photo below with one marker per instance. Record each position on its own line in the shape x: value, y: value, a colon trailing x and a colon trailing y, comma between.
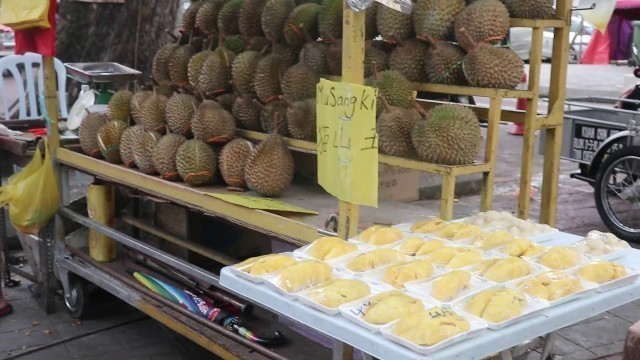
x: 98, y: 76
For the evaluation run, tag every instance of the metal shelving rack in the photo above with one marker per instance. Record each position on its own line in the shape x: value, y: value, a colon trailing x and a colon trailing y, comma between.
x: 298, y: 230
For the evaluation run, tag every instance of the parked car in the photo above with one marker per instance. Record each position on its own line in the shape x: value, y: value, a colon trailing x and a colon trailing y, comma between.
x: 580, y: 36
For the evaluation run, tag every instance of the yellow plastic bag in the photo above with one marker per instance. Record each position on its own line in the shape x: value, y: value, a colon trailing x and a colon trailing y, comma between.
x: 25, y: 14
x: 32, y: 194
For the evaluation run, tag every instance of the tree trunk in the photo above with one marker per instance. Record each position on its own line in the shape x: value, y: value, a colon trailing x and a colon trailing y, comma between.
x: 128, y: 34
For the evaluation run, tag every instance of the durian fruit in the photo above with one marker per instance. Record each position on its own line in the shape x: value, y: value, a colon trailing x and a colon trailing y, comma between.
x: 389, y: 306
x: 189, y: 17
x: 289, y: 55
x: 330, y: 19
x: 274, y: 17
x: 443, y: 63
x: 398, y: 275
x: 497, y: 306
x: 523, y: 247
x: 233, y: 159
x: 370, y: 23
x: 394, y: 126
x: 530, y: 9
x: 336, y: 292
x: 207, y: 16
x: 250, y: 17
x: 301, y: 119
x: 247, y: 111
x: 560, y: 258
x: 334, y: 57
x: 602, y: 272
x: 179, y: 64
x: 431, y: 327
x: 88, y: 133
x: 459, y: 231
x: 491, y: 240
x: 270, y: 113
x: 508, y: 269
x: 492, y: 67
x: 153, y: 115
x: 119, y: 107
x: 195, y: 65
x: 551, y: 286
x: 435, y: 18
x: 215, y: 72
x: 136, y: 104
x: 393, y: 86
x: 109, y: 140
x: 304, y: 274
x: 429, y: 247
x: 213, y: 124
x: 375, y: 259
x: 428, y: 226
x: 299, y: 83
x: 411, y: 246
x: 393, y: 24
x: 226, y: 100
x: 449, y: 286
x: 408, y: 58
x: 449, y: 135
x: 266, y: 80
x: 179, y: 111
x: 380, y: 235
x: 164, y: 156
x: 485, y: 21
x: 269, y: 170
x: 196, y: 162
x: 265, y: 264
x: 143, y: 151
x: 374, y: 58
x: 243, y: 69
x: 228, y: 17
x: 303, y: 16
x: 314, y: 55
x: 130, y: 137
x: 160, y: 63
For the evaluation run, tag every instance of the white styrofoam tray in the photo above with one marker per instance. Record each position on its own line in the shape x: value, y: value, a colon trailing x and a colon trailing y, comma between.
x: 261, y: 278
x: 476, y: 327
x: 305, y: 299
x: 355, y: 311
x: 273, y: 282
x: 587, y: 288
x: 424, y: 289
x: 303, y: 252
x: 376, y: 278
x: 533, y: 308
x: 341, y: 267
x: 581, y: 261
x: 426, y: 239
x: 630, y: 278
x: 535, y: 269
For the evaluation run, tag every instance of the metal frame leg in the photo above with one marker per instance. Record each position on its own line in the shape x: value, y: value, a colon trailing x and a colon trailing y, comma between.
x: 47, y: 281
x: 549, y: 344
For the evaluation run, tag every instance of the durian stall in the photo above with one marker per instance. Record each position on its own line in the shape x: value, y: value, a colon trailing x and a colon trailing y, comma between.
x: 235, y: 101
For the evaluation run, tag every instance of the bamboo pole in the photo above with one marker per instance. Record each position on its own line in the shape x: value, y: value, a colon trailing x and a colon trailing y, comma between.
x: 101, y: 208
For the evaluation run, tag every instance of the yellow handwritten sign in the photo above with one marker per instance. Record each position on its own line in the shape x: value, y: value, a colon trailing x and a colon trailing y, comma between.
x: 259, y: 203
x: 347, y: 141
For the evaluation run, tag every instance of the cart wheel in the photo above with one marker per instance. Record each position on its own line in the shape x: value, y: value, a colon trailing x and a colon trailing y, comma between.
x: 617, y: 193
x: 636, y: 72
x: 78, y: 297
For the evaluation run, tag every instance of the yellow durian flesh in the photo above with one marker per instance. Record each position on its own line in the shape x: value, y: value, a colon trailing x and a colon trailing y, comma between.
x: 601, y: 272
x: 431, y: 327
x: 560, y: 258
x: 507, y: 269
x: 340, y: 250
x: 465, y: 259
x: 412, y: 245
x: 391, y: 307
x: 534, y: 288
x: 336, y: 292
x: 428, y: 226
x: 517, y: 246
x: 385, y: 236
x: 429, y: 246
x: 450, y: 285
x: 459, y: 231
x: 504, y: 305
x: 551, y: 286
x: 321, y: 247
x: 375, y: 259
x: 488, y: 241
x: 304, y: 274
x: 365, y: 236
x: 398, y: 275
x: 442, y: 255
x: 534, y: 250
x: 265, y: 264
x: 478, y: 303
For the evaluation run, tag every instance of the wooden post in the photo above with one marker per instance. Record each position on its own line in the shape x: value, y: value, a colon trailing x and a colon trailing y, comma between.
x: 448, y: 194
x: 557, y: 94
x: 491, y: 153
x: 101, y: 208
x: 352, y: 72
x: 530, y: 125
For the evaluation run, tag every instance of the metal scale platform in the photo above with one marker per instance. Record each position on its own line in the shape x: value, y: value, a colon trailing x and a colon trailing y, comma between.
x: 100, y: 75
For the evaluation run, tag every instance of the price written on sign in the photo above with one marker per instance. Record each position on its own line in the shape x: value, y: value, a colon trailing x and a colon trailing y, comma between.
x: 347, y: 141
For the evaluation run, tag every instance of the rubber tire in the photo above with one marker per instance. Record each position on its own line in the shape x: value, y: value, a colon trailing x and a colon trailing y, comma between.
x: 79, y: 286
x: 608, y: 162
